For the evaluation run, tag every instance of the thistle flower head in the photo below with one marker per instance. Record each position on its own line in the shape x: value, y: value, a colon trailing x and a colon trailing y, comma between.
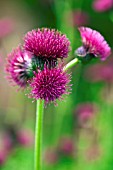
x: 50, y: 84
x: 46, y: 43
x: 94, y: 43
x: 18, y: 64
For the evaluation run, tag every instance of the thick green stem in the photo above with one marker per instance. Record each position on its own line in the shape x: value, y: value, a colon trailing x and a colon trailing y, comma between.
x: 71, y: 64
x: 38, y: 135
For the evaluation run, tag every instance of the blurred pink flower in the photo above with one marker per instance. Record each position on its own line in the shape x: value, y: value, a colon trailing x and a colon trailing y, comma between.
x: 6, y: 27
x: 100, y: 72
x: 25, y: 137
x: 85, y: 112
x: 3, y: 156
x: 66, y: 146
x: 0, y: 59
x: 102, y: 5
x: 8, y: 142
x: 93, y: 153
x: 80, y: 18
x: 4, y: 150
x: 51, y: 156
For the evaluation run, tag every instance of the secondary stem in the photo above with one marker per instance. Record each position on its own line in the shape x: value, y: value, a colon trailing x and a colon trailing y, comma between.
x: 71, y: 64
x: 38, y: 135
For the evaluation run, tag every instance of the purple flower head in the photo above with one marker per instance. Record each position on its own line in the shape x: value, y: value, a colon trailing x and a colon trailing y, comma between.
x: 50, y: 84
x: 94, y: 43
x: 47, y: 44
x: 102, y: 5
x: 18, y: 67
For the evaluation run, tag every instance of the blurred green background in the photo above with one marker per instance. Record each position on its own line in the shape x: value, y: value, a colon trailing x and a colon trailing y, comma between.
x: 66, y: 143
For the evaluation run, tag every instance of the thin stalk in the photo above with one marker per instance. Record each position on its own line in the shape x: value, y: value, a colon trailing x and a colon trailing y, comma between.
x: 65, y: 108
x: 71, y: 64
x: 38, y: 135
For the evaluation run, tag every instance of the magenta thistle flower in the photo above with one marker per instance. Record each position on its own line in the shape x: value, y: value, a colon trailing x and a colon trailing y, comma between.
x: 93, y: 43
x: 18, y: 67
x: 102, y: 5
x: 50, y: 84
x: 46, y: 43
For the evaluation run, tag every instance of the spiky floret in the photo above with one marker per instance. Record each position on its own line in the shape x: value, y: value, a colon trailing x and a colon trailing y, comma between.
x: 18, y: 67
x: 50, y: 84
x: 94, y: 43
x: 47, y: 43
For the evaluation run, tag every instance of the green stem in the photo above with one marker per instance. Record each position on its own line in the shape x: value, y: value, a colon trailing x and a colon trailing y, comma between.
x: 58, y: 123
x: 71, y: 64
x: 38, y: 135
